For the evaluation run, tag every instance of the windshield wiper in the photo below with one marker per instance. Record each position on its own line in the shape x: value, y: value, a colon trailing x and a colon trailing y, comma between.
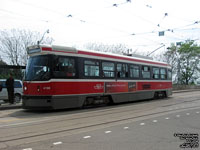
x: 41, y: 76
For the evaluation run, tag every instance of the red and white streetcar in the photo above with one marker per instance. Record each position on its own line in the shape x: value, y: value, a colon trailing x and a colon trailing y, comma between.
x: 59, y: 77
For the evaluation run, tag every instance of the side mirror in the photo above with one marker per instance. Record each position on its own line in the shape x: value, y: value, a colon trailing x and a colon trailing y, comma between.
x: 1, y: 88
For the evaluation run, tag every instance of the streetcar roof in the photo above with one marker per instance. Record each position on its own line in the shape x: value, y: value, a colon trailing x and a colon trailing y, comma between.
x: 57, y: 49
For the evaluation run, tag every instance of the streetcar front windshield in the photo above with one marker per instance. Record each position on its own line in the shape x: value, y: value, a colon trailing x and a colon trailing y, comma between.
x: 38, y: 68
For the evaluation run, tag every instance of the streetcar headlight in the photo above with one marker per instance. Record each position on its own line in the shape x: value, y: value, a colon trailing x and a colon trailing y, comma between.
x: 25, y: 88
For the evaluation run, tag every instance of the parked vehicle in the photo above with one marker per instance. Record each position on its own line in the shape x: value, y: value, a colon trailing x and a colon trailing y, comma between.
x: 18, y: 90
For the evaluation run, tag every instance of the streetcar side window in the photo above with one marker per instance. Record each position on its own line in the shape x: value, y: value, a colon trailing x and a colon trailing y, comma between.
x: 146, y: 72
x: 134, y: 71
x: 163, y: 73
x: 122, y: 70
x: 91, y: 68
x: 156, y: 73
x: 169, y: 74
x: 64, y: 67
x: 108, y: 69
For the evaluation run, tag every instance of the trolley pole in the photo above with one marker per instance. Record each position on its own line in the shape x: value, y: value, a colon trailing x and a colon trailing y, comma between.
x: 38, y: 42
x: 156, y: 50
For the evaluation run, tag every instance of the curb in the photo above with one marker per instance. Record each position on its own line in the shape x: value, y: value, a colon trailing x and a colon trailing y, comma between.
x: 7, y: 106
x: 181, y: 91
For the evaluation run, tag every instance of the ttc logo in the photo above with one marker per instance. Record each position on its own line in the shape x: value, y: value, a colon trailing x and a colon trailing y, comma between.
x: 98, y: 87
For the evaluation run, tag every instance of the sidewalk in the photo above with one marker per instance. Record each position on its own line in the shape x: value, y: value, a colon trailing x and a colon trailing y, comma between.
x: 6, y: 106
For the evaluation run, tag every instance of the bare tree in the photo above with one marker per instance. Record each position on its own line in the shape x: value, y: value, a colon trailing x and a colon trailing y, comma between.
x: 13, y: 44
x: 112, y: 48
x: 3, y: 72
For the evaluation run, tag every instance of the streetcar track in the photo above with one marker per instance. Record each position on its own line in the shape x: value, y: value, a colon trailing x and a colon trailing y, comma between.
x: 76, y: 118
x: 114, y: 107
x: 94, y: 125
x: 103, y: 112
x: 106, y: 111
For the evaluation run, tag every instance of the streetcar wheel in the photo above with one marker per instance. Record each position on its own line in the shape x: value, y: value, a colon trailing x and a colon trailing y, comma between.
x: 156, y: 96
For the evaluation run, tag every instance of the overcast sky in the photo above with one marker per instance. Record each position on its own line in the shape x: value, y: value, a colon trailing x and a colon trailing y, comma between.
x: 135, y: 23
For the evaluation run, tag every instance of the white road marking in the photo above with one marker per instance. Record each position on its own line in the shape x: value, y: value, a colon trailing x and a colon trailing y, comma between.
x: 177, y: 116
x: 142, y: 123
x: 28, y: 149
x: 197, y: 112
x: 187, y: 114
x: 108, y: 131
x: 87, y: 137
x: 167, y: 118
x: 126, y: 128
x: 155, y: 120
x: 57, y: 143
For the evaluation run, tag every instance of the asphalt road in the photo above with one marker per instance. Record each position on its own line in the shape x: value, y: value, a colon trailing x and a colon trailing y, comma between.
x: 156, y: 124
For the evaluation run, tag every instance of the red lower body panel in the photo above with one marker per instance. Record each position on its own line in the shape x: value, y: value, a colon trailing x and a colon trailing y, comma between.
x: 72, y: 88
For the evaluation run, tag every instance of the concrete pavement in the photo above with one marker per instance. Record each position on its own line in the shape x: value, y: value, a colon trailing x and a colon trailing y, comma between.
x: 156, y: 124
x: 176, y: 130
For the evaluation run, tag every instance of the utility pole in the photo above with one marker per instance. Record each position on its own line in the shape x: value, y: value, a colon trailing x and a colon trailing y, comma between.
x: 178, y: 66
x: 179, y: 71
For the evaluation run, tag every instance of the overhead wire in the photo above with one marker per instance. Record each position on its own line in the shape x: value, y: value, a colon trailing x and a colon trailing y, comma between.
x: 146, y: 20
x: 22, y: 15
x: 113, y: 28
x: 166, y: 14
